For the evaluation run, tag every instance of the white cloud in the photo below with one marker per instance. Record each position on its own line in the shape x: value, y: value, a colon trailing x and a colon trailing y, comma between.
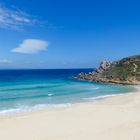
x: 5, y: 61
x: 14, y: 18
x: 31, y: 46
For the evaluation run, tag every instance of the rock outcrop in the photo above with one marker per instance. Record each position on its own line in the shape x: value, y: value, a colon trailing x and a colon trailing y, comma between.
x: 124, y: 71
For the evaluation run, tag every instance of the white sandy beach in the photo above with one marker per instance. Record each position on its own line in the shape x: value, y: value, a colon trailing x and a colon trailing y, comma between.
x: 115, y: 118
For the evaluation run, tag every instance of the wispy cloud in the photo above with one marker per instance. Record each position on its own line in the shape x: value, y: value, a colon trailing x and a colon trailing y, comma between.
x: 31, y: 46
x: 14, y: 18
x: 5, y: 61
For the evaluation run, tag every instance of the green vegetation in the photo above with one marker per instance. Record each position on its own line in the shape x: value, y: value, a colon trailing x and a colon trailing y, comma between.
x: 124, y: 69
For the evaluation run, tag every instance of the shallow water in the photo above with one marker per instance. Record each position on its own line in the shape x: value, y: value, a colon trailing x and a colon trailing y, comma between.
x: 26, y: 90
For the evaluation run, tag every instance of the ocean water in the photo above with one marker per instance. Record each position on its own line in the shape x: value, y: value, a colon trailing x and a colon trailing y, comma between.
x: 27, y: 90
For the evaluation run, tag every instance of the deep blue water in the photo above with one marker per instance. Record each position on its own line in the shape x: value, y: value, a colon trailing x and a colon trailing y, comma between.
x: 25, y: 90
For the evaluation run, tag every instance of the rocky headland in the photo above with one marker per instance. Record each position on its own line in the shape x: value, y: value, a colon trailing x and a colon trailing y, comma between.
x: 124, y: 71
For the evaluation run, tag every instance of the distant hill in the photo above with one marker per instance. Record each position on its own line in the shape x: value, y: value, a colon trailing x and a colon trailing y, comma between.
x: 124, y: 71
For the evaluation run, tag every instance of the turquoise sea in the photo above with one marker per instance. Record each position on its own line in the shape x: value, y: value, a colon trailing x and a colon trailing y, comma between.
x: 27, y: 90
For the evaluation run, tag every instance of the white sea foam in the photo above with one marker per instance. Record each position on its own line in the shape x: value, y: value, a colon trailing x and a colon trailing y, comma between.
x: 101, y: 97
x: 50, y: 94
x: 22, y: 108
x: 95, y: 88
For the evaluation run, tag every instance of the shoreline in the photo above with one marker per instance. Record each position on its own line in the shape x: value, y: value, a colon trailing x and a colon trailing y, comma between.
x: 93, y: 102
x: 90, y: 100
x: 113, y: 118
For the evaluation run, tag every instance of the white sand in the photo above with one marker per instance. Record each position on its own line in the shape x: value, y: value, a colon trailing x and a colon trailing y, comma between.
x: 115, y: 118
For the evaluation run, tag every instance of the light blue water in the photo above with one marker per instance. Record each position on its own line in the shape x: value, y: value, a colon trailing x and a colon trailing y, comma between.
x: 26, y: 90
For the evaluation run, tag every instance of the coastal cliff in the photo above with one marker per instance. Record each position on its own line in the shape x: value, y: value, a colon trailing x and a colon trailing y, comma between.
x: 124, y: 71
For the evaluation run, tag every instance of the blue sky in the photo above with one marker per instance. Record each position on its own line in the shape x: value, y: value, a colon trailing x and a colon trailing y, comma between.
x: 67, y: 34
